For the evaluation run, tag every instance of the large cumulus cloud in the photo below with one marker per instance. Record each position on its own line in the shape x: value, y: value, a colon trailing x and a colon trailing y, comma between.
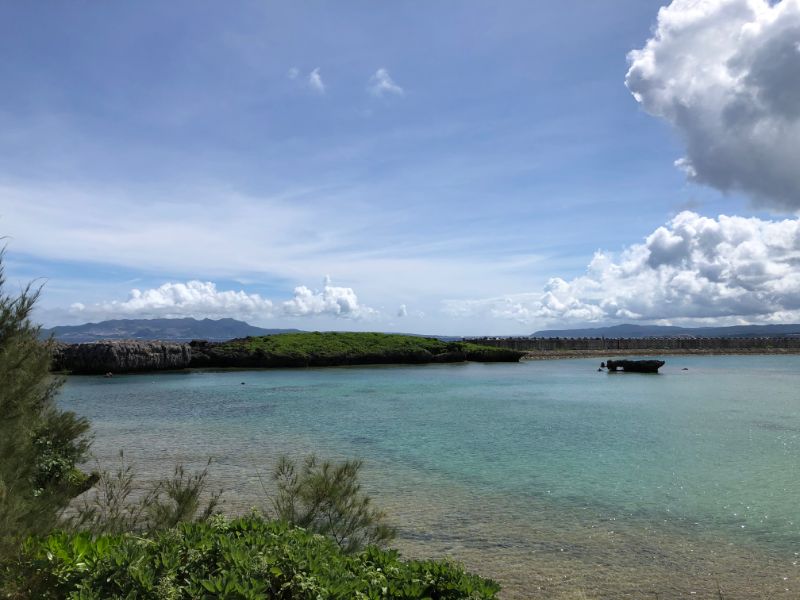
x: 203, y: 299
x: 726, y: 75
x: 694, y: 269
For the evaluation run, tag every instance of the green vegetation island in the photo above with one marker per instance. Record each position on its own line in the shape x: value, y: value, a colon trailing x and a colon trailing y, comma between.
x: 313, y: 349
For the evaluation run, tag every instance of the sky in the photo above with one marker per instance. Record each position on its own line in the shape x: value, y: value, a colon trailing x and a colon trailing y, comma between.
x: 460, y: 168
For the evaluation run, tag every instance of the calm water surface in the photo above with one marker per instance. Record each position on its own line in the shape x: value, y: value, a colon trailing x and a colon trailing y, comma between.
x: 557, y: 480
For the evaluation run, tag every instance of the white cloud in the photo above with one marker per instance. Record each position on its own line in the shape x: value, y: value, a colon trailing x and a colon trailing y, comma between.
x: 402, y: 311
x: 293, y: 73
x: 694, y: 269
x: 190, y: 299
x: 203, y: 299
x: 726, y: 75
x: 315, y: 81
x: 381, y: 84
x: 331, y: 300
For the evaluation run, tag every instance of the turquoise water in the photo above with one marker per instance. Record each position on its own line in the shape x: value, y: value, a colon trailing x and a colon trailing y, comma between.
x: 540, y: 473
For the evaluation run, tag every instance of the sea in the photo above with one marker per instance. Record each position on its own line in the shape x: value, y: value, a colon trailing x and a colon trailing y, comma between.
x: 551, y: 477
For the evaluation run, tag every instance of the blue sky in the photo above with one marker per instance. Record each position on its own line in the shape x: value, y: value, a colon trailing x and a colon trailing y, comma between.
x: 426, y: 167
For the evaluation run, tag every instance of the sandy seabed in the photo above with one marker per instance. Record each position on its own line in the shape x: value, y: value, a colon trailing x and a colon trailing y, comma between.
x: 564, y: 555
x: 572, y: 553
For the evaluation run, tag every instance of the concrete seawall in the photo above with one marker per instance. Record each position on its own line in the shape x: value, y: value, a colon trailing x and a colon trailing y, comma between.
x: 754, y: 345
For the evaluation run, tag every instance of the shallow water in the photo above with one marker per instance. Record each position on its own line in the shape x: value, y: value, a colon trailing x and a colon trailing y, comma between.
x: 555, y: 479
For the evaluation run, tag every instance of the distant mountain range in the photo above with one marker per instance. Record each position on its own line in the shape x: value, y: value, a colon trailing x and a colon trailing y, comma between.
x: 159, y: 329
x: 643, y: 331
x: 227, y: 329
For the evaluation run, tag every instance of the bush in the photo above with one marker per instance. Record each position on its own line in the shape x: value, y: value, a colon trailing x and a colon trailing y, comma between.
x: 112, y: 508
x: 326, y: 498
x: 244, y: 558
x: 39, y: 444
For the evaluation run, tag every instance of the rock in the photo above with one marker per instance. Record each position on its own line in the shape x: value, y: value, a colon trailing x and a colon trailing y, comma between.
x: 449, y: 357
x: 120, y: 357
x: 635, y: 366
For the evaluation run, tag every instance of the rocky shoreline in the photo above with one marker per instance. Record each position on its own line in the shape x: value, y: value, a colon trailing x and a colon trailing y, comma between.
x: 121, y: 356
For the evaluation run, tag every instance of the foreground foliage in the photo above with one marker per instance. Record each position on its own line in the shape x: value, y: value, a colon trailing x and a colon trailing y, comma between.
x: 245, y: 558
x: 40, y: 445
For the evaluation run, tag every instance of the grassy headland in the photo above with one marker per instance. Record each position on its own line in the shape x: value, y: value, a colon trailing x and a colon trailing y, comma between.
x: 319, y: 349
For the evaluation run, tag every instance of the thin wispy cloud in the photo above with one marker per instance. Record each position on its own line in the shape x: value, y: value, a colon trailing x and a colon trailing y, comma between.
x: 273, y: 241
x: 381, y: 84
x: 255, y: 166
x: 315, y: 81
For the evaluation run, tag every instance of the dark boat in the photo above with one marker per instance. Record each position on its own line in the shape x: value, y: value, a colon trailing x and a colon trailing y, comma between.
x: 635, y: 366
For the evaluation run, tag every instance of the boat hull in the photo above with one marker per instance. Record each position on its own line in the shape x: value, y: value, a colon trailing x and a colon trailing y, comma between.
x: 635, y: 366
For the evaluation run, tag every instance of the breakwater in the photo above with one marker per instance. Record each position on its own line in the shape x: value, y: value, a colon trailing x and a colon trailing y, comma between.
x: 667, y: 344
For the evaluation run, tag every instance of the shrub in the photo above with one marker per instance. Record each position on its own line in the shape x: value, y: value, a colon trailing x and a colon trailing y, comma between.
x: 112, y: 508
x: 326, y: 498
x: 245, y: 558
x: 40, y: 445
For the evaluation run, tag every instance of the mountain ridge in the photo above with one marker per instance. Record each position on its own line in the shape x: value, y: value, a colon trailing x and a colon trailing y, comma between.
x: 179, y: 330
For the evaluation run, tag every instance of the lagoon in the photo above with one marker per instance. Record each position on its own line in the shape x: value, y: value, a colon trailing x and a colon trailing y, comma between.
x: 555, y: 479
